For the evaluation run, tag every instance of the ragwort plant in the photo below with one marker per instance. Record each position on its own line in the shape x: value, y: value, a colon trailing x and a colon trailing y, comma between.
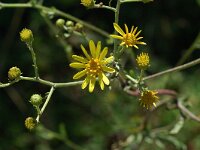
x: 99, y: 64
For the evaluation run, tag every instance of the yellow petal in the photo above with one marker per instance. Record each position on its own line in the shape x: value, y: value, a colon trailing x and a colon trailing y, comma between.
x: 92, y: 48
x: 105, y: 79
x: 92, y: 84
x: 126, y: 28
x: 108, y: 60
x: 77, y: 65
x: 139, y: 38
x: 135, y: 46
x: 118, y: 29
x: 79, y: 58
x: 108, y: 69
x: 103, y: 53
x: 101, y: 84
x: 98, y: 49
x: 134, y: 31
x: 80, y: 74
x: 138, y: 33
x: 85, y: 52
x: 85, y: 82
x: 116, y: 37
x: 122, y: 43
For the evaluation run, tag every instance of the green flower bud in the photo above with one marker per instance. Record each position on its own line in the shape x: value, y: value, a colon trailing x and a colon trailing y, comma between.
x: 26, y: 35
x: 60, y: 23
x: 14, y: 73
x: 36, y: 100
x: 78, y: 26
x: 30, y: 123
x: 69, y: 23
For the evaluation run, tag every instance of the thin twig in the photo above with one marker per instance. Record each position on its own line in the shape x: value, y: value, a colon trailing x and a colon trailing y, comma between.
x: 182, y: 67
x: 185, y: 111
x: 45, y: 104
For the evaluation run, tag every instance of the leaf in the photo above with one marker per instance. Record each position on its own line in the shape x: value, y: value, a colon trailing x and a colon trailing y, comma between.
x: 177, y: 126
x: 173, y: 140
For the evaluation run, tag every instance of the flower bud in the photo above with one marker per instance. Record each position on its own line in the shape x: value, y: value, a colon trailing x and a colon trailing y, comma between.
x: 69, y: 23
x: 60, y: 23
x: 14, y: 73
x: 78, y: 27
x: 30, y: 123
x: 26, y: 35
x: 36, y: 100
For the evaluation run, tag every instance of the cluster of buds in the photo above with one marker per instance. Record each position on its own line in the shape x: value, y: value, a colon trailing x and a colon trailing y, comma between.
x: 68, y: 26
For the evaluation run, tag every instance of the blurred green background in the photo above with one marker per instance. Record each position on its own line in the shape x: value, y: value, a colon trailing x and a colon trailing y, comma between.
x: 98, y: 121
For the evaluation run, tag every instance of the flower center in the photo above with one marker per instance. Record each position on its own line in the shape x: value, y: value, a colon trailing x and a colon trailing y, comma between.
x: 93, y: 67
x: 129, y: 39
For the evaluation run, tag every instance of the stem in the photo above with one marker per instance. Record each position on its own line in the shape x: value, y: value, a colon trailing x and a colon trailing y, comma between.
x: 182, y: 67
x: 55, y: 11
x: 128, y: 1
x: 141, y: 75
x: 105, y: 7
x: 132, y: 79
x: 45, y: 104
x: 116, y: 21
x: 30, y: 47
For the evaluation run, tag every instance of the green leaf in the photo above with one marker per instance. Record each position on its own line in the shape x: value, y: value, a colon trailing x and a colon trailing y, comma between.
x: 177, y: 126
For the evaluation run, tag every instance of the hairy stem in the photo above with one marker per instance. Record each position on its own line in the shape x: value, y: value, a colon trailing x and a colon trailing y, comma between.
x: 116, y: 21
x: 30, y: 47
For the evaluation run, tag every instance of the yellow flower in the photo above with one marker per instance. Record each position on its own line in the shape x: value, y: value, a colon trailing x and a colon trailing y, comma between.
x: 87, y: 3
x: 26, y: 35
x: 142, y: 60
x: 93, y: 65
x: 148, y: 99
x: 129, y: 38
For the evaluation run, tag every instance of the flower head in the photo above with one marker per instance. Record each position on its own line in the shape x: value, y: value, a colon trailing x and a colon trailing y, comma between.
x: 93, y: 65
x: 30, y: 123
x: 36, y: 100
x: 148, y: 98
x: 142, y: 60
x: 129, y: 38
x: 26, y: 35
x: 14, y: 73
x: 87, y: 3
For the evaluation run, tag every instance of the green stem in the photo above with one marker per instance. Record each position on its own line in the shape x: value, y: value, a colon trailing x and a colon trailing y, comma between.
x: 116, y: 21
x: 45, y: 104
x: 141, y: 75
x: 55, y: 11
x: 132, y: 79
x: 30, y: 47
x: 130, y: 1
x: 182, y: 67
x: 105, y: 7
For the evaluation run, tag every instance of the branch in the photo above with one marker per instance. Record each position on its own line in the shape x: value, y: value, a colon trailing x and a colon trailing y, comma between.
x: 55, y: 11
x: 181, y: 67
x: 45, y: 104
x: 44, y: 82
x: 185, y: 111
